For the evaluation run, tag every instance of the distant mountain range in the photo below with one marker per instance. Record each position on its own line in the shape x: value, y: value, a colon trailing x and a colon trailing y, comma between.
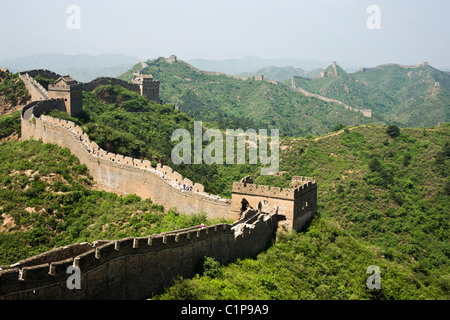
x: 82, y: 67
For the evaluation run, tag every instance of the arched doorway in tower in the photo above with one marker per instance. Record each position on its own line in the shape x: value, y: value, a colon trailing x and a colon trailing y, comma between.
x: 244, y: 205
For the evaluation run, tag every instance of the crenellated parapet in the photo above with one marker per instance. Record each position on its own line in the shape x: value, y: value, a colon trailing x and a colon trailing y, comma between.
x: 119, y: 173
x: 134, y: 267
x: 263, y: 190
x: 36, y: 90
x: 297, y: 204
x: 274, y: 192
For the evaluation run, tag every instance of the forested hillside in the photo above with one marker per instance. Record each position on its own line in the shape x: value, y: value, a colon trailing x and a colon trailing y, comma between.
x: 383, y: 190
x: 383, y: 199
x: 229, y: 103
x: 123, y: 122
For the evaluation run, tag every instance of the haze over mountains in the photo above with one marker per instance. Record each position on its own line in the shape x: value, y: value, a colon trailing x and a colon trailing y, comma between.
x: 82, y: 67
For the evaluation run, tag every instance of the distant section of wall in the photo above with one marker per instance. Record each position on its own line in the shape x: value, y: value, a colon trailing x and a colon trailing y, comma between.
x: 134, y: 268
x: 365, y: 112
x: 43, y: 72
x: 90, y: 86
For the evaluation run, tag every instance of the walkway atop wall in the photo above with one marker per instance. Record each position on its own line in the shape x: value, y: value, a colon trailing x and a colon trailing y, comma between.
x: 88, y: 146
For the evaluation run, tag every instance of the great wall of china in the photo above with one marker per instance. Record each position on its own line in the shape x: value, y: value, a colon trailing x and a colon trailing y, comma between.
x: 134, y: 268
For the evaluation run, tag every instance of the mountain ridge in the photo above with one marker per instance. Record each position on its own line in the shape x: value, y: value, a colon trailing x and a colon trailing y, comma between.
x: 410, y: 96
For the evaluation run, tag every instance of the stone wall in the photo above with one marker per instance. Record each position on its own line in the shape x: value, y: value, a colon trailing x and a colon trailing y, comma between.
x: 382, y: 66
x: 365, y: 112
x: 124, y: 174
x: 134, y: 268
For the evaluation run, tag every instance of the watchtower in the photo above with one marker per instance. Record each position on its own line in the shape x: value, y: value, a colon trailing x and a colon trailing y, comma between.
x: 148, y: 86
x: 298, y: 204
x: 70, y: 90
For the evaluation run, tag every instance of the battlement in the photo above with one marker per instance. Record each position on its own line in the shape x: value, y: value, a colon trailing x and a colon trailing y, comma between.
x: 72, y: 87
x: 273, y: 192
x: 36, y: 90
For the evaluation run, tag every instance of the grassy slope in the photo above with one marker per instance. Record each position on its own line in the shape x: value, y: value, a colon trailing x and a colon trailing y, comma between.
x: 396, y: 217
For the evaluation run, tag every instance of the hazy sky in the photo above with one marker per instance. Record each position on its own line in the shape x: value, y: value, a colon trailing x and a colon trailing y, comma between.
x: 410, y: 31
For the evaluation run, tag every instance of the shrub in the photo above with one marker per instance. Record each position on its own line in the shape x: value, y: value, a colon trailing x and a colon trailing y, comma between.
x: 211, y: 267
x: 131, y: 198
x: 393, y: 131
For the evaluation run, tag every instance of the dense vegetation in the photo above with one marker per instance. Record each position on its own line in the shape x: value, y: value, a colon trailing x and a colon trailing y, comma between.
x: 10, y: 124
x: 417, y: 97
x: 229, y: 103
x: 323, y: 263
x: 12, y: 90
x: 386, y: 187
x: 382, y: 200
